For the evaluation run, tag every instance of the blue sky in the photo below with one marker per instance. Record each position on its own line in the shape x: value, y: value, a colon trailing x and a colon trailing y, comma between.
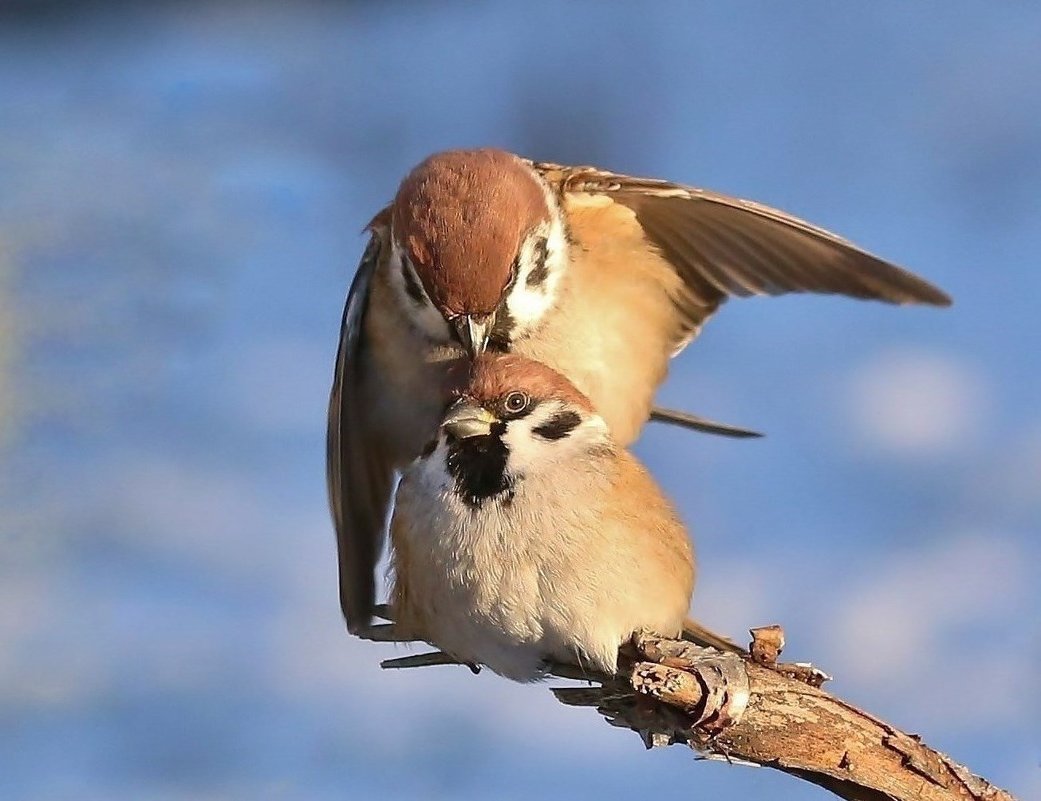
x: 182, y: 190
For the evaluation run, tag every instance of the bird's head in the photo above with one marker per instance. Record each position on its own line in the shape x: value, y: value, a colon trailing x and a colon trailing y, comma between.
x: 479, y: 245
x: 513, y: 418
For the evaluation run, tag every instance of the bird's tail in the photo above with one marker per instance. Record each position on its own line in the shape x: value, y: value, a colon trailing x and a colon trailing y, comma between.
x: 695, y: 422
x: 699, y: 635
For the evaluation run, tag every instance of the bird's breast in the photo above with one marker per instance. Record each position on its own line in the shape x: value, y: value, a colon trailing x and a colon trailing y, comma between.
x: 474, y: 576
x: 554, y: 573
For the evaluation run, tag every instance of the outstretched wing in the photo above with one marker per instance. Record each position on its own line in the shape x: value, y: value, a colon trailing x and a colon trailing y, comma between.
x: 722, y: 246
x: 359, y: 473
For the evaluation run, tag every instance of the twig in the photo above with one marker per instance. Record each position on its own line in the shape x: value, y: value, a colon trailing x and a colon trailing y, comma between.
x: 753, y: 710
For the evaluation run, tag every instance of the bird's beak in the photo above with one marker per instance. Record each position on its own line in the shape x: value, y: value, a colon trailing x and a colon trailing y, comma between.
x: 472, y: 332
x: 466, y: 419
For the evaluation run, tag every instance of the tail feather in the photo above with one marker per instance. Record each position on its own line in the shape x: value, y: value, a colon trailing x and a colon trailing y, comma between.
x: 702, y: 424
x: 699, y: 635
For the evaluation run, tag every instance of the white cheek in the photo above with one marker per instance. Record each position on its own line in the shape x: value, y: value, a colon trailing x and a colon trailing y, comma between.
x: 529, y: 304
x: 524, y: 448
x: 532, y: 455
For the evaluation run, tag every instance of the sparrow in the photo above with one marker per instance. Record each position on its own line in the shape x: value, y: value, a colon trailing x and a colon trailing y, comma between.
x: 603, y: 277
x: 525, y: 534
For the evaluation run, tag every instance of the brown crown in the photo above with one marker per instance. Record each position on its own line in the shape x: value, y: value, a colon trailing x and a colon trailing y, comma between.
x: 461, y: 216
x: 494, y: 375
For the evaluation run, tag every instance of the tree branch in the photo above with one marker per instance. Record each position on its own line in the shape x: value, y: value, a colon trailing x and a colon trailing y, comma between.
x: 753, y: 710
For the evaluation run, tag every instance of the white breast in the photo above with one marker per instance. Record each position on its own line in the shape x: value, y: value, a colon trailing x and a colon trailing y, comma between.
x: 514, y: 583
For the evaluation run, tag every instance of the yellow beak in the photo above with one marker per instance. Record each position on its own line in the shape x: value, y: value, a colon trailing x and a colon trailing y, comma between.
x: 466, y: 419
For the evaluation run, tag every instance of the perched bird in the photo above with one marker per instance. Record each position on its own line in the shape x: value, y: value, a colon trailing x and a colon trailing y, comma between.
x: 603, y: 277
x: 524, y: 533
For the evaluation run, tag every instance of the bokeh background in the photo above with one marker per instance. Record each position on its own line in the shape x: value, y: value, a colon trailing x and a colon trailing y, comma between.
x: 182, y: 190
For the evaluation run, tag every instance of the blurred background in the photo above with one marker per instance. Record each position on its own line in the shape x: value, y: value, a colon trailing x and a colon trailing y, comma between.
x: 182, y: 191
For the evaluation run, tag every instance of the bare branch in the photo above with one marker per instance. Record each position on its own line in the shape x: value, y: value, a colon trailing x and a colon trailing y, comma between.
x: 769, y: 715
x: 753, y: 710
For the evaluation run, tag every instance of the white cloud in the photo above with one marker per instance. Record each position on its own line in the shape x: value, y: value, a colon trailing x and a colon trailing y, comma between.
x: 926, y: 624
x: 913, y: 402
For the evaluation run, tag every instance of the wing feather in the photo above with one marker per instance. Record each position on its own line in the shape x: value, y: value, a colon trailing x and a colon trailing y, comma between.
x: 359, y: 474
x: 723, y: 246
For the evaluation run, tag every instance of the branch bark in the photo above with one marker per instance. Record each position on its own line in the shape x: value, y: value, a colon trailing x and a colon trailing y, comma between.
x: 753, y: 710
x: 776, y: 716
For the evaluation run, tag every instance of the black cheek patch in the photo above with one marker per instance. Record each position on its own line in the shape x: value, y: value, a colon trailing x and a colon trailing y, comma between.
x: 501, y: 335
x: 412, y: 287
x: 558, y: 426
x: 540, y: 272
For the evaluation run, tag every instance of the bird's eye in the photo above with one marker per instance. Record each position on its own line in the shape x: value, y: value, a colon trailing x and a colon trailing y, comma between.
x: 516, y: 402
